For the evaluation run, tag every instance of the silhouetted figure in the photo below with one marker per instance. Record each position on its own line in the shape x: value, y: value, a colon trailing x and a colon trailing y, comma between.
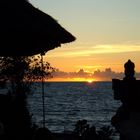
x: 127, y: 91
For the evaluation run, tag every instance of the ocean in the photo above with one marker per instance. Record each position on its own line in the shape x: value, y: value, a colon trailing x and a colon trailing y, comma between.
x: 68, y: 102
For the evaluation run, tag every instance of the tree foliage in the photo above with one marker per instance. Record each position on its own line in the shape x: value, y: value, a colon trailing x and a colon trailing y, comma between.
x: 22, y: 71
x: 19, y: 74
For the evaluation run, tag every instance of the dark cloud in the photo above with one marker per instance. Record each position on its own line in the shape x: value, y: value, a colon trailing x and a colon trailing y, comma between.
x: 106, y: 75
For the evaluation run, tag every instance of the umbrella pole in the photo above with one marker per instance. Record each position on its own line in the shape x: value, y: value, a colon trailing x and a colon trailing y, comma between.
x: 43, y: 94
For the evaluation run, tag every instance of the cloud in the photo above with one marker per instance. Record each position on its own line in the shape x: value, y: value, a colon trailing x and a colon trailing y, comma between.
x: 87, y: 50
x: 105, y: 75
x: 81, y: 73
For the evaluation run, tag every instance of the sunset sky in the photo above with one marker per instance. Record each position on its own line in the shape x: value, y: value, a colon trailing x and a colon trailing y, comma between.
x: 107, y: 32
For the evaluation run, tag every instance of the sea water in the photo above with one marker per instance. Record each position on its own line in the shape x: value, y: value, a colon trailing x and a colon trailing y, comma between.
x: 68, y: 102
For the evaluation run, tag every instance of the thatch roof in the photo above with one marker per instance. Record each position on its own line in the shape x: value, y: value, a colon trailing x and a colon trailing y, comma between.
x: 26, y: 30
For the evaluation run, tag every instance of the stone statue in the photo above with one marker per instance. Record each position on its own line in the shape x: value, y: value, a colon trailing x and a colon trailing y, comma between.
x: 129, y: 70
x: 127, y: 117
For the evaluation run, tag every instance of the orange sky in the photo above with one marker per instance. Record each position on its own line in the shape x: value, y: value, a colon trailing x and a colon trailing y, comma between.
x: 107, y: 33
x: 72, y: 57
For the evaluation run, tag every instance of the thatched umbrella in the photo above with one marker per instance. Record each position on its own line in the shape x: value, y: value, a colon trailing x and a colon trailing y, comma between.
x: 26, y: 31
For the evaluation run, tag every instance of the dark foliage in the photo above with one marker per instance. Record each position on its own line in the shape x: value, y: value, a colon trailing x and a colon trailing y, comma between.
x: 19, y: 73
x: 85, y: 132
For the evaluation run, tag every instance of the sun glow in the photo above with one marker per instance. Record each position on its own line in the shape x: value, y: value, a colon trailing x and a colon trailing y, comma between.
x: 90, y: 81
